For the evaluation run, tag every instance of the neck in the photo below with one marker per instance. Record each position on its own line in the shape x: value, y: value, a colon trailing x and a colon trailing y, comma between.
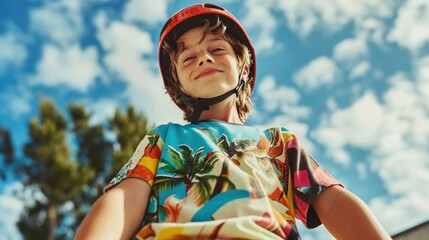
x: 224, y: 111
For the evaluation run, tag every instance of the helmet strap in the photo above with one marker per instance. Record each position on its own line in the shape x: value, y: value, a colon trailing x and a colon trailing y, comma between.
x: 201, y: 104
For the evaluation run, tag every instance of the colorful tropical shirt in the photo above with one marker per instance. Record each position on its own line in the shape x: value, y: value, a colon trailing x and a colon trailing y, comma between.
x: 216, y: 180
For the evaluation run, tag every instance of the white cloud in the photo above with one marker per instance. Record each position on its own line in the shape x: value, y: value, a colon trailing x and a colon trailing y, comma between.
x: 413, y: 170
x: 281, y: 103
x: 360, y: 70
x: 403, y: 100
x: 372, y: 29
x: 281, y: 98
x: 10, y: 209
x: 357, y: 126
x: 59, y: 21
x: 395, y: 131
x: 320, y: 71
x: 16, y: 101
x: 146, y: 11
x: 73, y: 67
x: 18, y: 106
x: 260, y: 20
x: 362, y: 170
x: 12, y: 201
x: 294, y: 12
x: 332, y: 15
x: 126, y: 47
x: 350, y: 51
x: 102, y: 110
x: 367, y: 16
x: 13, y: 51
x: 405, y: 145
x: 122, y: 38
x: 281, y: 94
x: 422, y: 74
x: 410, y: 30
x: 399, y: 214
x: 351, y: 54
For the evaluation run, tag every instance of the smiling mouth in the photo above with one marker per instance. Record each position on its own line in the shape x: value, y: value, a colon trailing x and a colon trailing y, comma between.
x: 208, y: 73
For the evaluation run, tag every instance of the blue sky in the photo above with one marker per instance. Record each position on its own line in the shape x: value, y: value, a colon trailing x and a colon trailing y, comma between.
x: 350, y: 78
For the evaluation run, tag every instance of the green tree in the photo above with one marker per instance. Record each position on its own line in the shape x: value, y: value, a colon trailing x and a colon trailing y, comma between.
x: 7, y: 152
x: 63, y: 184
x: 93, y: 150
x: 51, y: 170
x: 129, y: 128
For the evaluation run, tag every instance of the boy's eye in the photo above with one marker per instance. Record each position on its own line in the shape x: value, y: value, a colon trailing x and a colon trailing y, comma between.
x: 186, y: 59
x: 218, y: 49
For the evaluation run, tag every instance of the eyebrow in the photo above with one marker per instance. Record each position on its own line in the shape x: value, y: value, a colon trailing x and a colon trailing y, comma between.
x: 211, y: 39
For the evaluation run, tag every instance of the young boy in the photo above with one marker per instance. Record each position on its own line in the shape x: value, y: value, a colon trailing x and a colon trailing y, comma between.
x: 215, y: 177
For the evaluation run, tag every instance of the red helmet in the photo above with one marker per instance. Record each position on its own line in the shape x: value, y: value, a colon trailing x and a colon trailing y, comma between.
x: 191, y: 17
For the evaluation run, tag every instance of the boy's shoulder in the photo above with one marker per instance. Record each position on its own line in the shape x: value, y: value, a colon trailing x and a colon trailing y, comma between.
x: 163, y: 128
x: 282, y: 132
x: 280, y: 129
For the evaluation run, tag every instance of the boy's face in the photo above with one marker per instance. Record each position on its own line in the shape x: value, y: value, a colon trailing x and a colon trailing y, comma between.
x: 206, y: 67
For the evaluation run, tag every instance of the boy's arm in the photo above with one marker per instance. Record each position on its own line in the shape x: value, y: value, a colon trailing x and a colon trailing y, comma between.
x: 346, y: 216
x: 118, y: 213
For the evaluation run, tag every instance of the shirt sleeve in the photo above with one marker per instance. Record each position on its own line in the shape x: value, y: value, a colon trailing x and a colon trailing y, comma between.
x: 309, y: 180
x: 143, y: 163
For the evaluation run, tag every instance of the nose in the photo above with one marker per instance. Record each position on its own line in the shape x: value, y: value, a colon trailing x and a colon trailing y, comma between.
x: 205, y: 58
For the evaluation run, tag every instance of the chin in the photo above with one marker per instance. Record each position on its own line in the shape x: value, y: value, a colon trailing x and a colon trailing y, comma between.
x: 214, y: 91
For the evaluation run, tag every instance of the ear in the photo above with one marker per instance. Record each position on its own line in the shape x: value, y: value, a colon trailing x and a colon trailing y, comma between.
x: 245, y: 74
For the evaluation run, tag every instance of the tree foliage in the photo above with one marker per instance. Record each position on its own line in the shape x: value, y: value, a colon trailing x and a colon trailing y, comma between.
x: 129, y: 129
x: 6, y: 151
x: 67, y: 161
x: 51, y: 170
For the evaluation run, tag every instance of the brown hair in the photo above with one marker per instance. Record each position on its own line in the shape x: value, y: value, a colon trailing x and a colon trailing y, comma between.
x: 244, y: 102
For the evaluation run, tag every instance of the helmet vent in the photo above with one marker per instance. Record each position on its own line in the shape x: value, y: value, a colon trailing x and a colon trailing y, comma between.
x: 208, y: 5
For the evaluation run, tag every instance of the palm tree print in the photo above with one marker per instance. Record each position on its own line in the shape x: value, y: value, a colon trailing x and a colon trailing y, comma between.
x: 230, y: 149
x: 192, y: 169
